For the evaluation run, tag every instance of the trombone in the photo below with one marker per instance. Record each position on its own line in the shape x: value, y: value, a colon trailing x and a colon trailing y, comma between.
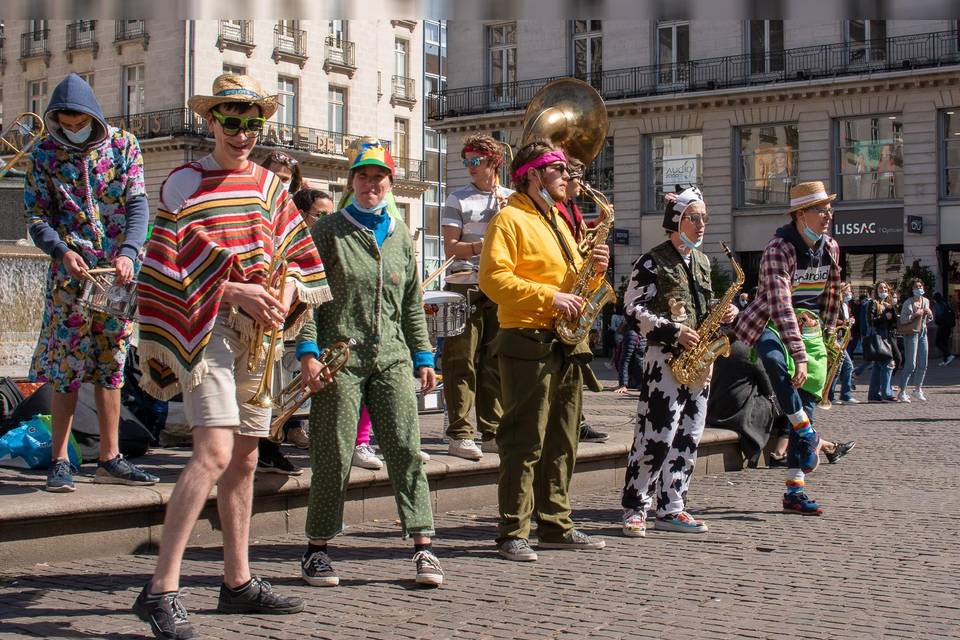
x: 26, y: 125
x: 292, y: 396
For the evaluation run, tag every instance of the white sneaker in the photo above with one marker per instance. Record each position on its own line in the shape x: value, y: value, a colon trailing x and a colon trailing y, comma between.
x: 466, y: 449
x: 366, y: 458
x: 851, y: 401
x: 918, y: 395
x: 424, y: 457
x: 950, y: 358
x: 902, y: 397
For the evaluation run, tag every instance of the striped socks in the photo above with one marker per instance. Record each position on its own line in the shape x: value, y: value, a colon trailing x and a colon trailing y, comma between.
x: 794, y: 481
x: 800, y: 423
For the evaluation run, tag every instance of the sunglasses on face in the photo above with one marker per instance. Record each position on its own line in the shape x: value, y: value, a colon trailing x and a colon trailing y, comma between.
x: 473, y: 162
x: 559, y: 167
x: 698, y: 218
x: 283, y: 158
x: 233, y: 124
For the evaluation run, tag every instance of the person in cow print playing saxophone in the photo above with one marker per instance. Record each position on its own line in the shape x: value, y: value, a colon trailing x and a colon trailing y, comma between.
x: 669, y: 295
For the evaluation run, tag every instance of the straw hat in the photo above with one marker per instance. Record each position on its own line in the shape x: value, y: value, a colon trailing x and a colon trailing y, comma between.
x: 231, y: 87
x: 809, y: 194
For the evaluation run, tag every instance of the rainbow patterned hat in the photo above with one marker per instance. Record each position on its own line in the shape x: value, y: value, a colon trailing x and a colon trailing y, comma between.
x: 372, y: 152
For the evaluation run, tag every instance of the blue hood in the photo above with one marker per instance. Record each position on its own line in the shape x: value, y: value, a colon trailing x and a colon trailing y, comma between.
x: 75, y: 94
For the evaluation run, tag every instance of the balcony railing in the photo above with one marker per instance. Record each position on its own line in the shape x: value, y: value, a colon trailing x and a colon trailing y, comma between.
x: 290, y: 43
x: 184, y: 122
x: 82, y: 35
x: 403, y: 89
x: 408, y: 169
x: 801, y: 64
x: 34, y: 44
x: 339, y: 54
x: 238, y: 34
x: 130, y: 30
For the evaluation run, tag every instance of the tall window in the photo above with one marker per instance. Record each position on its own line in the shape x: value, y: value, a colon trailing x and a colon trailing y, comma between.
x: 434, y: 146
x: 36, y: 28
x: 599, y: 175
x: 587, y: 54
x: 769, y: 157
x: 234, y: 69
x: 869, y: 158
x: 337, y: 109
x: 950, y: 153
x: 673, y: 159
x: 867, y: 40
x: 287, y: 96
x: 87, y: 77
x: 337, y: 29
x: 502, y: 60
x: 400, y: 57
x: 673, y: 51
x: 766, y: 45
x: 36, y: 96
x: 400, y: 131
x: 133, y: 89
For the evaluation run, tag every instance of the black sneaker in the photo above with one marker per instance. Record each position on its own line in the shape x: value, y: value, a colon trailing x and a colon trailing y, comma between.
x: 277, y: 463
x: 774, y: 462
x: 257, y: 597
x: 841, y: 449
x: 316, y: 570
x: 119, y: 470
x: 587, y: 434
x: 165, y: 613
x: 429, y: 572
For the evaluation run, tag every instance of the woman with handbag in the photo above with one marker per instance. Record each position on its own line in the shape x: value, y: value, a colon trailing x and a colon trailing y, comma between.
x: 878, y: 346
x: 914, y: 316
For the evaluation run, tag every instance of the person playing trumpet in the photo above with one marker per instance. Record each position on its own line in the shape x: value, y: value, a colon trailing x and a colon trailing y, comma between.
x: 225, y: 227
x: 86, y: 207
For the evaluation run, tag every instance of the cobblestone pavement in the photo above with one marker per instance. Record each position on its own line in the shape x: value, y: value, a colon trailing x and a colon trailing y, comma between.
x: 882, y: 562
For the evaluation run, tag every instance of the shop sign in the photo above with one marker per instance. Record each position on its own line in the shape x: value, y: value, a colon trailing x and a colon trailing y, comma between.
x: 915, y: 224
x: 679, y: 170
x: 621, y: 236
x: 866, y: 228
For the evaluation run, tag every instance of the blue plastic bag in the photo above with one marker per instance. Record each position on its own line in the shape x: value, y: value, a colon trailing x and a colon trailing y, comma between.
x: 30, y: 446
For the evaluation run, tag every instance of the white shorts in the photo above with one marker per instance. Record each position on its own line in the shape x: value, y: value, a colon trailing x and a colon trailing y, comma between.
x: 220, y: 398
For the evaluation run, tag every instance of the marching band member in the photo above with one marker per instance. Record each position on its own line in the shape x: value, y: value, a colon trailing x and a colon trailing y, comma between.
x: 794, y: 312
x: 86, y: 207
x: 470, y: 368
x: 202, y: 296
x: 669, y: 296
x: 373, y: 274
x: 529, y: 261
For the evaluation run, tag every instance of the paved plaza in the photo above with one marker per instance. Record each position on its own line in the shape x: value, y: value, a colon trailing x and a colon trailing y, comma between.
x: 882, y: 562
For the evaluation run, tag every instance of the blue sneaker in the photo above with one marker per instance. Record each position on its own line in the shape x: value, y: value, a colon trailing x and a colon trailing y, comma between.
x: 681, y: 522
x: 802, y: 504
x: 60, y: 476
x: 803, y: 452
x: 119, y: 471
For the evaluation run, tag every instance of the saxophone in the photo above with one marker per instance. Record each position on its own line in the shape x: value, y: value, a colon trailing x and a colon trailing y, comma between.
x: 834, y: 360
x: 575, y: 331
x: 691, y: 367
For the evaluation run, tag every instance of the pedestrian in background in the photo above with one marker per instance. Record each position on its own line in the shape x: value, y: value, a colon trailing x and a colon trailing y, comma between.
x: 883, y: 319
x: 914, y: 317
x: 946, y: 319
x: 845, y: 374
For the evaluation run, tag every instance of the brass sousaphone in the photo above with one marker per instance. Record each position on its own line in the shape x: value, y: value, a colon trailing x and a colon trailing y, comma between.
x: 570, y: 114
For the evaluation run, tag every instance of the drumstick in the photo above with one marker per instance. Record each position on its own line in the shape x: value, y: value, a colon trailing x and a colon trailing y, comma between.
x: 102, y: 270
x: 433, y: 276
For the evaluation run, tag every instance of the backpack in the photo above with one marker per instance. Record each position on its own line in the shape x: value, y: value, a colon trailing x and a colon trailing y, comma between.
x: 10, y: 398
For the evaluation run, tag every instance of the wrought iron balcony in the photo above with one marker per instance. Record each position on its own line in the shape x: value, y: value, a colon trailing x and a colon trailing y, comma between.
x: 35, y: 44
x: 184, y: 122
x: 130, y: 31
x: 82, y: 35
x: 897, y: 53
x: 408, y: 169
x: 403, y: 91
x: 236, y: 34
x: 339, y: 55
x: 289, y: 43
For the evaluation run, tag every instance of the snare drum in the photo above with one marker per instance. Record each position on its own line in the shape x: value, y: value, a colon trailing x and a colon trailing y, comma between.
x: 99, y: 294
x: 446, y: 313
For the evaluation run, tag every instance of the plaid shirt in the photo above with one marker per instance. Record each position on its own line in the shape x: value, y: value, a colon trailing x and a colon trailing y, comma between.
x: 775, y: 294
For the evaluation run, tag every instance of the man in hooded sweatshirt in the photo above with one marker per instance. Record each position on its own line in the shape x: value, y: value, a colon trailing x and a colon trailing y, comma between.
x: 86, y: 207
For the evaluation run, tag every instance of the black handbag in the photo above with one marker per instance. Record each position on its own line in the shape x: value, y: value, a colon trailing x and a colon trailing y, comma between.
x: 876, y: 349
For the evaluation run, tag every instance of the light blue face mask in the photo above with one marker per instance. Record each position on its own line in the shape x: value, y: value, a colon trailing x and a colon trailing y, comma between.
x: 81, y: 136
x: 918, y: 292
x: 377, y: 208
x: 690, y: 243
x: 882, y: 295
x: 551, y: 203
x: 848, y: 297
x: 811, y: 235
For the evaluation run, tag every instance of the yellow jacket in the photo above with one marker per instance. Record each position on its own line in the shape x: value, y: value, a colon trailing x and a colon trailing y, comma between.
x: 522, y: 264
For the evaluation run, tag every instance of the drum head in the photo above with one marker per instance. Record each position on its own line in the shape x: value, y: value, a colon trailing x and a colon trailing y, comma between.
x: 441, y: 297
x: 463, y: 277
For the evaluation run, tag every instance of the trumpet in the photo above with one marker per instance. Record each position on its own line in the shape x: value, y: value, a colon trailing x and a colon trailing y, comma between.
x: 292, y: 396
x: 26, y: 125
x: 834, y: 359
x: 262, y: 397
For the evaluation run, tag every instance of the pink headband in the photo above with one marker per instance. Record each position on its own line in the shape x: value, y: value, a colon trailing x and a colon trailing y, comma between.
x: 548, y: 158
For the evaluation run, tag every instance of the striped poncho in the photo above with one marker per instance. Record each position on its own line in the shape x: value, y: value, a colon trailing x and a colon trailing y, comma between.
x: 226, y: 231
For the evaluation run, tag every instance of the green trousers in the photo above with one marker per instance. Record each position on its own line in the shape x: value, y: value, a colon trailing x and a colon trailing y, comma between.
x: 389, y: 396
x: 471, y: 374
x: 542, y: 396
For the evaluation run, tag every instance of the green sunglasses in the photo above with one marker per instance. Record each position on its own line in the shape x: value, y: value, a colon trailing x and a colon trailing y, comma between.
x: 233, y: 124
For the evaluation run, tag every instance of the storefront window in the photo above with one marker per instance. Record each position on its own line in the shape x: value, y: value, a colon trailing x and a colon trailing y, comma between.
x: 769, y: 158
x: 950, y: 154
x: 863, y: 270
x: 870, y: 158
x: 599, y: 175
x: 673, y: 159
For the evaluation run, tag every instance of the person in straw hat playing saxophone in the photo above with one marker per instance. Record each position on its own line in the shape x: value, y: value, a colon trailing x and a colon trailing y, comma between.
x: 203, y: 293
x: 790, y: 322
